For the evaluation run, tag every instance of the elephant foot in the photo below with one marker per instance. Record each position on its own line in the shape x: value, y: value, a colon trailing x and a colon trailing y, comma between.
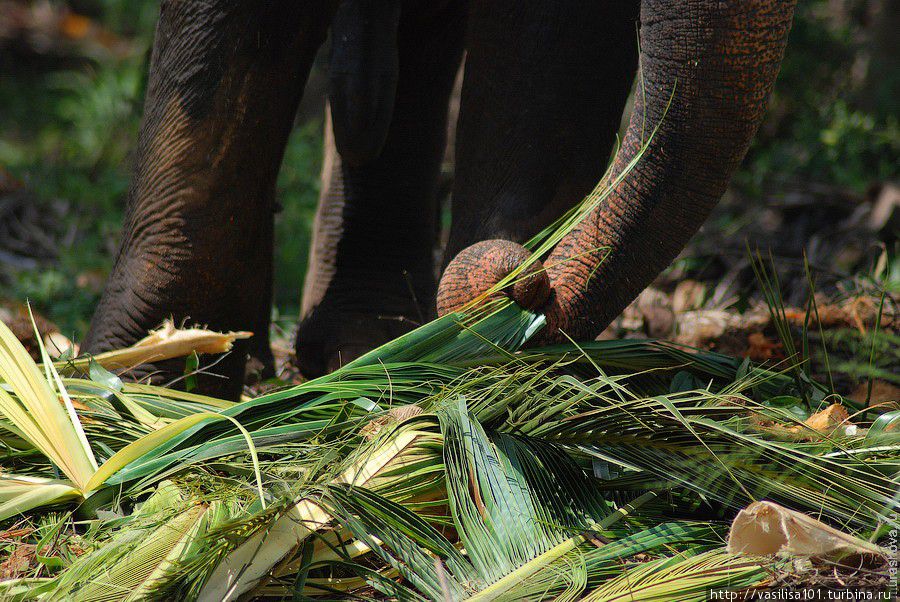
x: 343, y: 327
x: 329, y: 337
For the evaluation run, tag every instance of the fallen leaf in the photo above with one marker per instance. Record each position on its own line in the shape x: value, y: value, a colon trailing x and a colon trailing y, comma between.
x: 760, y: 348
x: 824, y: 424
x: 166, y: 343
x: 700, y: 327
x: 688, y: 296
x: 393, y: 416
x: 16, y: 533
x: 828, y: 419
x: 658, y: 321
x: 764, y: 528
x: 18, y: 563
x: 697, y: 328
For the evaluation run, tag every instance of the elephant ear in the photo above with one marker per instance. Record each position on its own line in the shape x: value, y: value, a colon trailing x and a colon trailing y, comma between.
x: 363, y: 73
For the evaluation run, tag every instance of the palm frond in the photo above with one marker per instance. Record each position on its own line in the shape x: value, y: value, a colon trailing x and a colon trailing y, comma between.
x: 20, y: 494
x: 134, y: 562
x: 40, y: 414
x: 682, y: 578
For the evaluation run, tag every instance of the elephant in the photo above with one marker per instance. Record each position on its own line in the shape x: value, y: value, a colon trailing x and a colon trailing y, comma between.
x: 544, y: 89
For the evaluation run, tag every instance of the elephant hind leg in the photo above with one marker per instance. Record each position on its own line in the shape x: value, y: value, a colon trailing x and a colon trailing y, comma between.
x: 225, y: 80
x: 371, y: 273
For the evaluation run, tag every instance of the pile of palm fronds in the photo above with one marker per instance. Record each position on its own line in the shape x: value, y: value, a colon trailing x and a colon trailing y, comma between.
x: 446, y: 465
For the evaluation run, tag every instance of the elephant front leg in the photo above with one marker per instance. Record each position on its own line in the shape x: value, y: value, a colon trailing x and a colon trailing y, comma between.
x: 224, y: 83
x: 371, y: 272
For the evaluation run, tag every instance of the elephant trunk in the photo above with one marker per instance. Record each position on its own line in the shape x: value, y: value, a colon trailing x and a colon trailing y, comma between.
x: 706, y: 71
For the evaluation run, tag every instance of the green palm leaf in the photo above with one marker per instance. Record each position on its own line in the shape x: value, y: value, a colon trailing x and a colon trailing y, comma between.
x: 682, y: 579
x: 144, y: 550
x: 20, y: 494
x: 39, y: 410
